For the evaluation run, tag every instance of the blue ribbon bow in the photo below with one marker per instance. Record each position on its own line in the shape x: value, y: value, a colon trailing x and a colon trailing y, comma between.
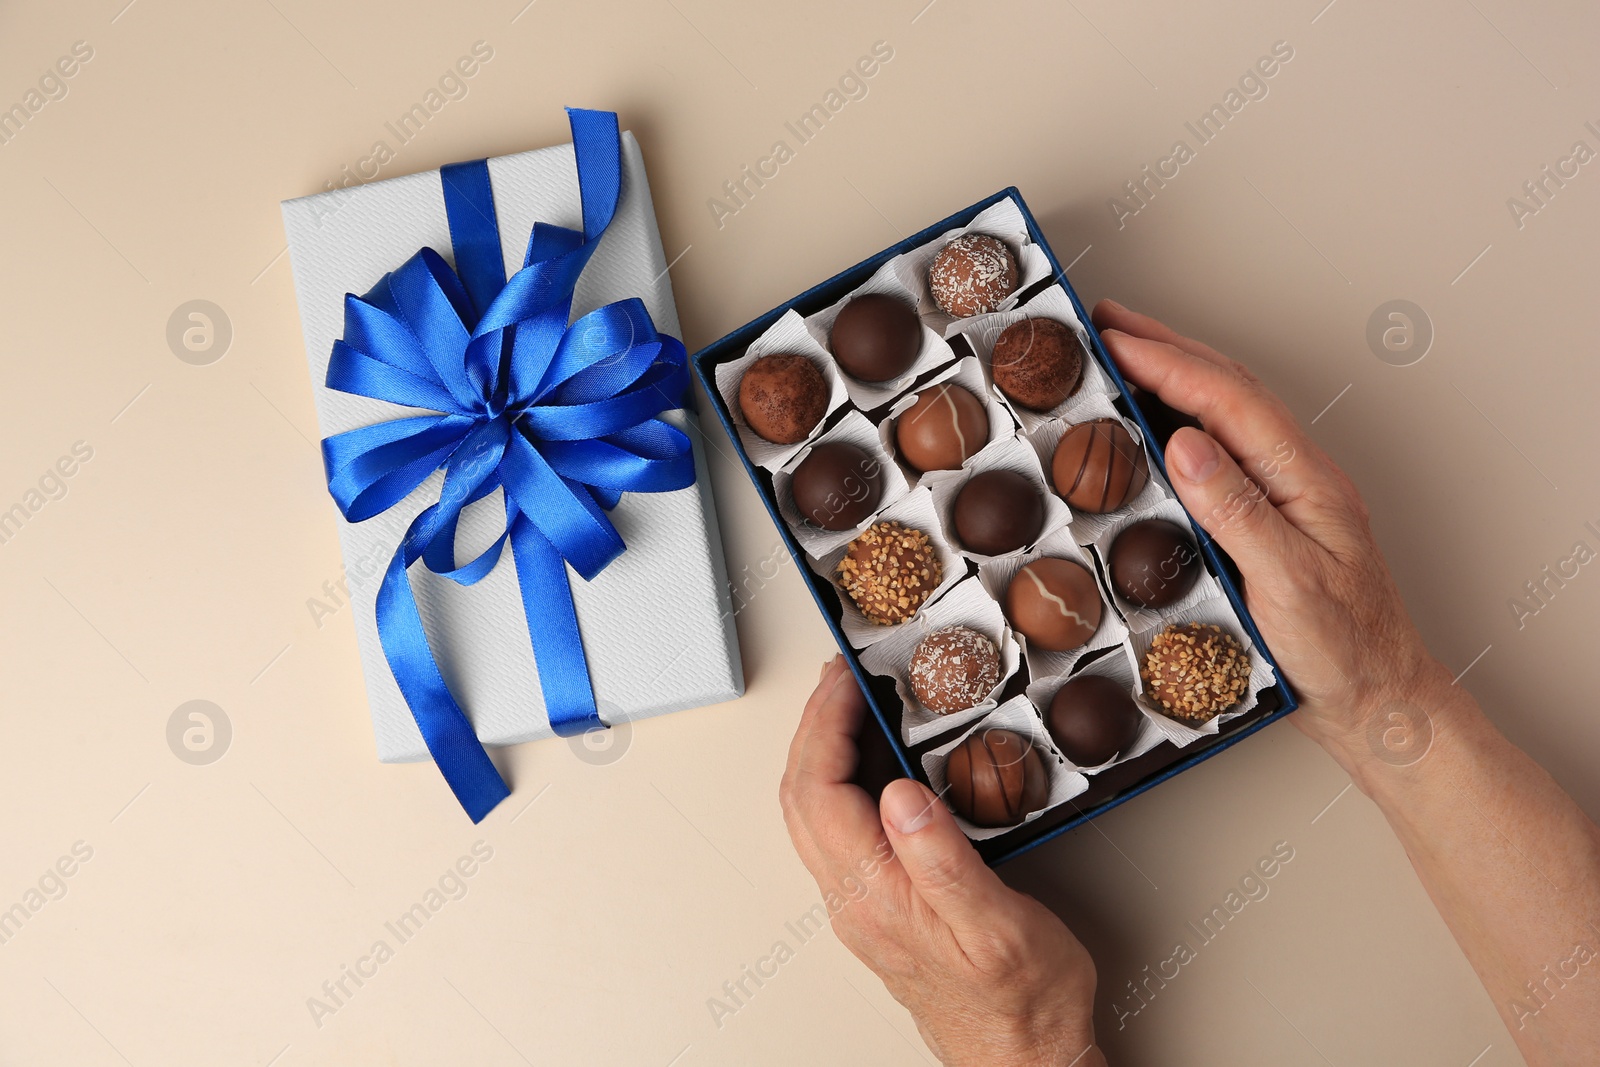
x: 561, y: 417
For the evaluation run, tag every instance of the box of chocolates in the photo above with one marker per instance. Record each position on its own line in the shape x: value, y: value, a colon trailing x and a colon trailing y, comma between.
x: 982, y: 508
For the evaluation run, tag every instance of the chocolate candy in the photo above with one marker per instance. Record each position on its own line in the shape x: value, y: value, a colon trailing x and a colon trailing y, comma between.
x: 954, y: 669
x: 997, y: 778
x: 1098, y: 466
x: 1038, y: 363
x: 1054, y: 603
x: 1091, y: 719
x: 1153, y: 563
x: 997, y: 512
x: 889, y: 570
x: 783, y: 397
x: 837, y: 485
x: 972, y: 275
x: 876, y: 337
x: 1195, y: 671
x: 943, y: 429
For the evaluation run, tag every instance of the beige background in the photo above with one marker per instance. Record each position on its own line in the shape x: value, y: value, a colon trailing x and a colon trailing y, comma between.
x: 179, y: 564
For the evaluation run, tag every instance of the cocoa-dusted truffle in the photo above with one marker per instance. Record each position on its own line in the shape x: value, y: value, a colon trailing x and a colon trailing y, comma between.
x: 1195, y: 671
x: 889, y: 570
x: 782, y: 397
x: 1038, y: 363
x: 997, y: 778
x: 876, y: 337
x: 954, y: 669
x: 998, y: 511
x: 1153, y: 563
x: 837, y: 485
x: 972, y: 275
x: 1091, y: 719
x: 943, y: 429
x: 1098, y: 466
x: 1054, y: 603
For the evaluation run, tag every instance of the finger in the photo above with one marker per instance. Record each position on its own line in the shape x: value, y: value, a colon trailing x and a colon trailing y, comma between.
x: 939, y: 861
x: 1110, y: 315
x: 824, y: 745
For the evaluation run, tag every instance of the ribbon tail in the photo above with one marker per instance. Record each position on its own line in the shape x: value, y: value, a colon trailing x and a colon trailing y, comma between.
x: 460, y: 756
x: 553, y: 627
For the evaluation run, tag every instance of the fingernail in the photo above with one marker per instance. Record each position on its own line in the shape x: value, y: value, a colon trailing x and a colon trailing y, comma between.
x: 907, y: 805
x: 826, y: 664
x: 1194, y: 454
x: 1114, y: 304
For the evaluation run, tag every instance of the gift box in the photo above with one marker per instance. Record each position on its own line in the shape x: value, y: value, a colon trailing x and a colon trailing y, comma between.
x: 970, y: 589
x: 656, y: 626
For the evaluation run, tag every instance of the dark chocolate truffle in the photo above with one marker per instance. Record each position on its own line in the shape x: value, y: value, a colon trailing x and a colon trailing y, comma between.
x: 837, y: 485
x: 997, y: 512
x: 1098, y: 466
x: 972, y: 275
x: 954, y: 669
x: 783, y: 397
x: 876, y: 337
x: 1092, y: 718
x: 943, y: 429
x: 1037, y: 362
x: 1195, y: 671
x: 889, y: 570
x: 1054, y: 603
x: 1153, y: 563
x: 997, y: 778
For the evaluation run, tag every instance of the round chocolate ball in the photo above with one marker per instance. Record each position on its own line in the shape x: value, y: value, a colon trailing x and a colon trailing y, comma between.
x: 954, y: 669
x: 1038, y: 363
x: 876, y: 337
x: 1054, y: 603
x: 1153, y: 563
x: 943, y: 429
x: 888, y: 571
x: 997, y: 778
x: 997, y: 512
x: 1195, y: 671
x: 1098, y: 466
x: 1091, y: 719
x: 782, y: 397
x: 837, y: 485
x: 972, y: 275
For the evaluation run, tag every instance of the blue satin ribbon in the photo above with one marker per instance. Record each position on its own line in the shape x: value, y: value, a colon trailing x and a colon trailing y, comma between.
x: 561, y: 417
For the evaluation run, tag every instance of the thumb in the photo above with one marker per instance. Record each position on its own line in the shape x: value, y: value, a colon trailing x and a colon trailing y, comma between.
x: 1230, y: 507
x: 937, y: 857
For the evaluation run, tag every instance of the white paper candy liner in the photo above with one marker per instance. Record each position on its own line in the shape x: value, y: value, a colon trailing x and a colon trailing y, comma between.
x: 933, y: 351
x: 1220, y: 613
x: 1087, y: 526
x: 968, y: 605
x: 996, y: 576
x: 1206, y: 587
x: 1020, y: 715
x: 914, y: 510
x: 853, y: 429
x: 1002, y: 220
x: 1010, y: 454
x: 968, y: 375
x: 788, y: 334
x: 1118, y: 668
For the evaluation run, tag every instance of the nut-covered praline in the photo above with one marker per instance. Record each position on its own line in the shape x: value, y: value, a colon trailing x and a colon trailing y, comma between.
x: 954, y: 669
x: 1098, y: 466
x: 782, y: 397
x: 889, y: 570
x: 972, y: 275
x: 997, y: 778
x: 1054, y: 603
x: 1153, y: 563
x: 943, y: 429
x: 876, y: 337
x: 837, y: 485
x: 1038, y: 363
x: 1091, y: 719
x: 1195, y: 671
x: 998, y: 511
